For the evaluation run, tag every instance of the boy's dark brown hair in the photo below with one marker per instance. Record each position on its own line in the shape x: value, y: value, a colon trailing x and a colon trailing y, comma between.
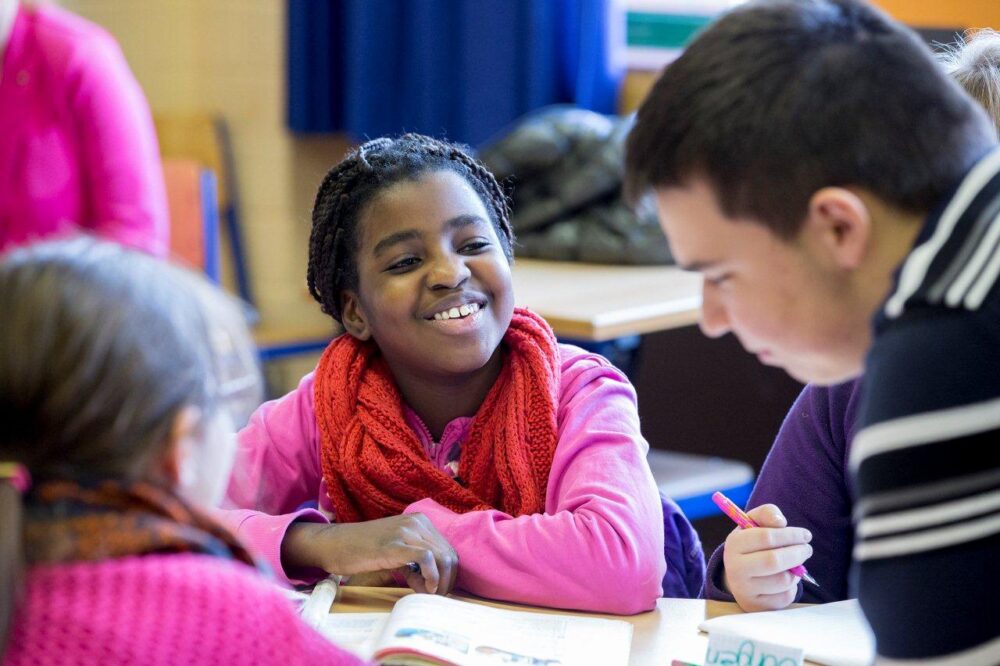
x: 779, y: 98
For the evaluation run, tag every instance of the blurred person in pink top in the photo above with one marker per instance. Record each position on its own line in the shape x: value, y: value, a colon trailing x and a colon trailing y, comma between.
x: 78, y: 150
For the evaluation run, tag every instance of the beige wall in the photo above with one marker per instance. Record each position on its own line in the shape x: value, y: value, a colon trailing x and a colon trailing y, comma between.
x: 228, y: 57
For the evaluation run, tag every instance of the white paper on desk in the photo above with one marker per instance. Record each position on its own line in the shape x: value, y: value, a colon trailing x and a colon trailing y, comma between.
x: 355, y: 632
x: 835, y: 634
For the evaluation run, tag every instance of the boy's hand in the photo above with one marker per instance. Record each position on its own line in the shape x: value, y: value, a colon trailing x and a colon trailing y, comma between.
x: 376, y: 545
x: 757, y: 560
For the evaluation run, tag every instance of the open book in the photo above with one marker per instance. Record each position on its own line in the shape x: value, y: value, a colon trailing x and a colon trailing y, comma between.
x: 426, y: 629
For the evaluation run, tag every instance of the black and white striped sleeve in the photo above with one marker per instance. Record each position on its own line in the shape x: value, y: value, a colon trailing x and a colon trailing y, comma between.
x: 926, y: 470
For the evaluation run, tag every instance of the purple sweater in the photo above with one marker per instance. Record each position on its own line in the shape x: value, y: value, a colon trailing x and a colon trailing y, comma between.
x: 805, y: 475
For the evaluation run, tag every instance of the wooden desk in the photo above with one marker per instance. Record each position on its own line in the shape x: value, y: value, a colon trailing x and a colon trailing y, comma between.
x: 669, y: 632
x: 596, y: 302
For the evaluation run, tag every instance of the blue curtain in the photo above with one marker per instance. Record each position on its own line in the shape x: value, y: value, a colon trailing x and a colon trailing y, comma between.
x: 458, y: 69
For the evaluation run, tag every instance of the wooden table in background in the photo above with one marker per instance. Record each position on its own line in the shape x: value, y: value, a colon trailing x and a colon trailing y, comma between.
x: 669, y: 632
x: 596, y: 302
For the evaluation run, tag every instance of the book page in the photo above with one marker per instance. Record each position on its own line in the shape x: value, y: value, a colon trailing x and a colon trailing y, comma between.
x: 355, y: 632
x: 469, y: 634
x: 835, y: 634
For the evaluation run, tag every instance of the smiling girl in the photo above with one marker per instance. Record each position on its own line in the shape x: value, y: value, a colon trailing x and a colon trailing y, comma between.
x: 449, y: 439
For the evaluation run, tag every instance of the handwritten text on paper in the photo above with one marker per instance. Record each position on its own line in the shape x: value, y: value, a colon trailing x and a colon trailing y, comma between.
x: 732, y: 650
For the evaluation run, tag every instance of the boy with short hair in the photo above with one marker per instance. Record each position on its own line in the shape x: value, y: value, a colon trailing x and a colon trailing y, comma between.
x: 841, y: 197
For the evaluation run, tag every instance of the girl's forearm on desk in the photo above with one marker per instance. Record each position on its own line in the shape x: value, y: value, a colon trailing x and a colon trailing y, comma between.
x: 309, y: 545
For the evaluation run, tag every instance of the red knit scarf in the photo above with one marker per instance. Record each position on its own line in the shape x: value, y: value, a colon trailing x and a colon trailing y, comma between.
x: 374, y: 464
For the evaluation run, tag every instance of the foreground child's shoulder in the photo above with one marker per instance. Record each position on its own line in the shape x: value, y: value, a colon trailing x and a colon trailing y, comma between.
x: 193, y: 608
x: 178, y: 579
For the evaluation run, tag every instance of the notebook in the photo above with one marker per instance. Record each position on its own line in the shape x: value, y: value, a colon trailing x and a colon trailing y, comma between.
x: 427, y: 629
x: 834, y: 634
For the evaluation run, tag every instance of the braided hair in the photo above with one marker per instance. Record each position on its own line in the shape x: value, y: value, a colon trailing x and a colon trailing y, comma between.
x: 358, y: 178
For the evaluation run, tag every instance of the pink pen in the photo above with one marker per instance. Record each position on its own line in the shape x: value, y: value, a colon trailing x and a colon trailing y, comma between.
x: 746, y: 522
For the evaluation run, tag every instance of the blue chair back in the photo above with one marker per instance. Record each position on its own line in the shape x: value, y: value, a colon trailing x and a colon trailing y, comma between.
x: 194, y: 215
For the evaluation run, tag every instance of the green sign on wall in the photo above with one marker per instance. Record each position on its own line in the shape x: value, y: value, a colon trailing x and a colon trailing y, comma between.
x: 662, y: 31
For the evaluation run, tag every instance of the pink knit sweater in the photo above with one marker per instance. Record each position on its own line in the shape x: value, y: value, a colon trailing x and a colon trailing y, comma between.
x: 160, y: 609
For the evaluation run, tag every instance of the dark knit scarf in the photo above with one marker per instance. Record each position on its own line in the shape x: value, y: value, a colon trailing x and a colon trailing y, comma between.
x: 374, y: 464
x: 70, y: 522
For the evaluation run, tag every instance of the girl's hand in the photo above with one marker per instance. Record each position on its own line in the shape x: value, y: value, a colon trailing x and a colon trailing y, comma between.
x: 372, y: 579
x: 757, y: 560
x: 376, y: 545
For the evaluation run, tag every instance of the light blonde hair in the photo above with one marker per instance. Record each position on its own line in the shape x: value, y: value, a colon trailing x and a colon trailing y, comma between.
x: 974, y: 63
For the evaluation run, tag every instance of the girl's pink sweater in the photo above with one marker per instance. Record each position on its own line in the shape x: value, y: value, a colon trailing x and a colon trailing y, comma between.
x: 597, y: 547
x: 160, y: 609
